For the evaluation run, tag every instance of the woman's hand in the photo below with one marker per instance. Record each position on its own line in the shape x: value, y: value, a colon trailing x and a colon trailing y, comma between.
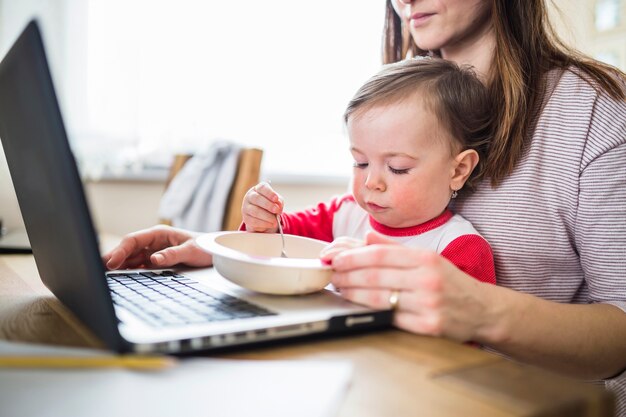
x: 433, y: 296
x: 260, y: 206
x: 157, y: 247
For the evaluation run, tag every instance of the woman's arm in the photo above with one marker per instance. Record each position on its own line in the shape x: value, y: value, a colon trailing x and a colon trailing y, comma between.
x: 582, y: 340
x: 436, y: 298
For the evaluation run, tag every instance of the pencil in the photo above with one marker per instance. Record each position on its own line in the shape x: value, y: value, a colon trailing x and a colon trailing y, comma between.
x: 123, y: 361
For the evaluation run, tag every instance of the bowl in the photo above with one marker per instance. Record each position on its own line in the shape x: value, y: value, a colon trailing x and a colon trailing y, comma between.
x: 252, y: 260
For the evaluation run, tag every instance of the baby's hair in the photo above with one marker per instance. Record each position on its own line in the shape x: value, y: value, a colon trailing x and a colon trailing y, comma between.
x: 454, y: 94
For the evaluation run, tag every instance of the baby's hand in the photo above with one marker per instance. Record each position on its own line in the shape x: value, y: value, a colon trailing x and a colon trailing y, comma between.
x: 260, y: 206
x: 337, y: 246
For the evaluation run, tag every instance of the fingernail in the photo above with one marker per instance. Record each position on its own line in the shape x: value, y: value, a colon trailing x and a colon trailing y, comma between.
x: 326, y: 261
x: 158, y: 258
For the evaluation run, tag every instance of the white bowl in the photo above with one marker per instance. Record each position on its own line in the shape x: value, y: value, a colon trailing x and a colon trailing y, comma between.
x: 252, y: 260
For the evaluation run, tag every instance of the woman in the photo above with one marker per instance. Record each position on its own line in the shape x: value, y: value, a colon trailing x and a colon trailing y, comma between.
x: 552, y: 201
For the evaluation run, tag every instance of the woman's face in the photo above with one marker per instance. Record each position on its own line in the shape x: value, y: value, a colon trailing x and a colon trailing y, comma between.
x: 445, y: 24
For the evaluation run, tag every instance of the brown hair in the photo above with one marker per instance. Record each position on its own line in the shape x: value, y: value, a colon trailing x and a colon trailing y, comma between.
x: 527, y: 47
x: 454, y: 94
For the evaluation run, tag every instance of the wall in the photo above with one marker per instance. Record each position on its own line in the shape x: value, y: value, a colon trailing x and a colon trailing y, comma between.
x: 53, y: 20
x: 9, y: 209
x: 120, y: 207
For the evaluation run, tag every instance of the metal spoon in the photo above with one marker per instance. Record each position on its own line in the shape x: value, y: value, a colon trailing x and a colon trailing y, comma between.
x: 283, y: 254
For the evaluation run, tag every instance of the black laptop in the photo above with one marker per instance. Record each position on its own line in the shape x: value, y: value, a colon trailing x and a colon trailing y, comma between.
x: 143, y: 311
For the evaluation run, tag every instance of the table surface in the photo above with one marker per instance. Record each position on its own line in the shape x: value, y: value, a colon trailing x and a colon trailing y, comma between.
x: 395, y: 373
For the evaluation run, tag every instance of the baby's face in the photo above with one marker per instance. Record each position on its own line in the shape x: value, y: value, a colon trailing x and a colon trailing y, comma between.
x: 403, y: 163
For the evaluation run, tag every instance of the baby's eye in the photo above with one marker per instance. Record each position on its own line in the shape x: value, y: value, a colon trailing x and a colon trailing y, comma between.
x: 360, y: 165
x: 399, y: 171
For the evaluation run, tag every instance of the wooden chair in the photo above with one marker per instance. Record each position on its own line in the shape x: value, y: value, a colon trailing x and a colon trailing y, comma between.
x: 247, y: 176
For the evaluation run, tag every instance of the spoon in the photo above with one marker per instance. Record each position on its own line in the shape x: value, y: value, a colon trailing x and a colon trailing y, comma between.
x: 283, y: 254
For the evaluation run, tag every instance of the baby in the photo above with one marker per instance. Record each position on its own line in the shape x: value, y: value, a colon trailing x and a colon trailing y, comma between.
x: 417, y: 132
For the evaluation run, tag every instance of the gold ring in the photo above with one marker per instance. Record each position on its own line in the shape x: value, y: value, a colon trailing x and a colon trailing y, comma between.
x: 394, y: 298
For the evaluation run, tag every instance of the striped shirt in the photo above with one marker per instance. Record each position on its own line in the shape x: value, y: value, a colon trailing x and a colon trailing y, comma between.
x: 557, y: 224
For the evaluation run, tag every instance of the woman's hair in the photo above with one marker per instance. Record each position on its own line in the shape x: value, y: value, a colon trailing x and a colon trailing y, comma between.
x: 526, y: 48
x: 453, y: 94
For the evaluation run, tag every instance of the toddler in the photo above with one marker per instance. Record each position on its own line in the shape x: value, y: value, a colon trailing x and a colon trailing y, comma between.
x: 417, y: 132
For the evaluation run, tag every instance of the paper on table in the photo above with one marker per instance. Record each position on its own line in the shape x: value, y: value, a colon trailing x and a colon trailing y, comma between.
x: 195, y: 387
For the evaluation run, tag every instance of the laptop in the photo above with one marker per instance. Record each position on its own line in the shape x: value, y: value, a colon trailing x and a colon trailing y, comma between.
x: 164, y: 311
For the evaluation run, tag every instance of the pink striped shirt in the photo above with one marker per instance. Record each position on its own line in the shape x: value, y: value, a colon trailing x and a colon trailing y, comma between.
x: 557, y: 224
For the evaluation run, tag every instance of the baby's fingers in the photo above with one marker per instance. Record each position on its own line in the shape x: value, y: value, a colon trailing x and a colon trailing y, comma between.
x: 264, y: 197
x: 327, y: 255
x: 258, y: 219
x: 339, y: 245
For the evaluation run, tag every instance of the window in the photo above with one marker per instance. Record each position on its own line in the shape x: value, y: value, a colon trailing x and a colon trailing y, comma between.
x: 607, y: 14
x: 141, y: 80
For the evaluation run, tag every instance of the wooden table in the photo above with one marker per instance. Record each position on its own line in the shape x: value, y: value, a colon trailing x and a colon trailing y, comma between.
x: 395, y: 373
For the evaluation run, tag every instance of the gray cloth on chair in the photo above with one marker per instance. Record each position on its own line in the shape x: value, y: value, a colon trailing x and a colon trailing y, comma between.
x: 197, y: 196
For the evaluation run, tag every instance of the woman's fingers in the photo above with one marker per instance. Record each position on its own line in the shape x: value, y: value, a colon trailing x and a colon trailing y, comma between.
x: 129, y: 248
x: 415, y: 311
x: 375, y: 278
x: 136, y: 248
x: 417, y: 299
x: 425, y: 274
x: 377, y: 298
x: 425, y: 320
x: 382, y: 255
x: 441, y: 301
x: 189, y: 253
x: 408, y: 314
x: 431, y: 295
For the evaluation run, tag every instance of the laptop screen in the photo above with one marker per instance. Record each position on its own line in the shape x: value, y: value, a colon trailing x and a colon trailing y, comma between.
x: 48, y: 187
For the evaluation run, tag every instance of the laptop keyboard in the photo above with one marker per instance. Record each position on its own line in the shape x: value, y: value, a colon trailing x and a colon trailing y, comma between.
x: 170, y: 299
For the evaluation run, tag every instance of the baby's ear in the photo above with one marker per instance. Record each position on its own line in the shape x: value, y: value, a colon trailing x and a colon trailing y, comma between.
x: 464, y: 164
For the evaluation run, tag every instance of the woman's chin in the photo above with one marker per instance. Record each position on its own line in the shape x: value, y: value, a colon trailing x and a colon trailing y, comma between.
x: 426, y: 43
